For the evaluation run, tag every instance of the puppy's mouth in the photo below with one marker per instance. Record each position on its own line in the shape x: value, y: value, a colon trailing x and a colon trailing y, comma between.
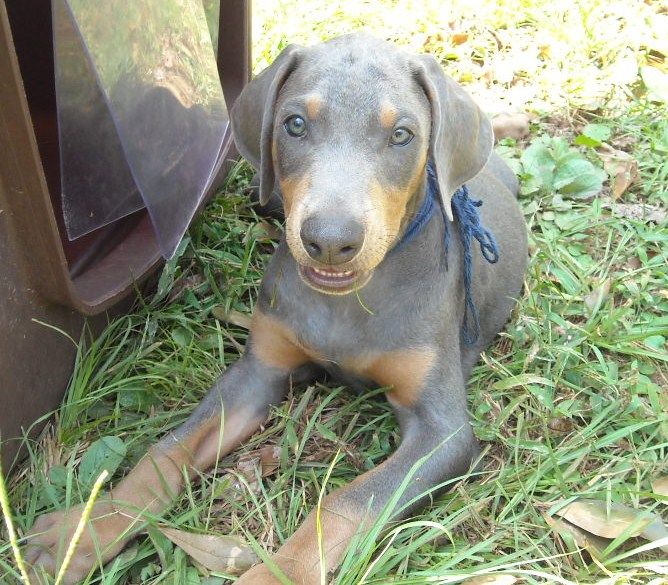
x: 330, y: 280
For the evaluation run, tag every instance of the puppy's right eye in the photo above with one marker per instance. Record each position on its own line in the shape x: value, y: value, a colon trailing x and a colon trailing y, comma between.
x: 295, y: 126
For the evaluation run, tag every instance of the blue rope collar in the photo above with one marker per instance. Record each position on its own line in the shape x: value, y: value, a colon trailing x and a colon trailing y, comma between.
x: 468, y: 219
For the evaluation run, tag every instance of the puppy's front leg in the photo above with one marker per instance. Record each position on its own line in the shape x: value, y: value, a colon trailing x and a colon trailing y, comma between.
x: 236, y: 405
x: 434, y: 421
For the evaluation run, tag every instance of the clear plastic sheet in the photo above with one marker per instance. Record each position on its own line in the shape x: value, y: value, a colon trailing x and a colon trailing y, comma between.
x: 141, y: 112
x: 98, y: 187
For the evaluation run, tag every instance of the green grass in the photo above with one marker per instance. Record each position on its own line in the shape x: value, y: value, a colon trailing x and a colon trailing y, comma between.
x: 570, y: 402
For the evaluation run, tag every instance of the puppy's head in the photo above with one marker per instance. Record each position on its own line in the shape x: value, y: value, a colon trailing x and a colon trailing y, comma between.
x: 345, y: 129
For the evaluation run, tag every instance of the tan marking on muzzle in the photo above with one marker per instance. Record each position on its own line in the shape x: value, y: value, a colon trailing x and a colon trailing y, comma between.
x: 294, y: 190
x: 390, y: 205
x: 405, y: 370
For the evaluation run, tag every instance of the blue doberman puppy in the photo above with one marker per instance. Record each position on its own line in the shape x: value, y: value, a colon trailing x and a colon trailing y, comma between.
x: 362, y: 141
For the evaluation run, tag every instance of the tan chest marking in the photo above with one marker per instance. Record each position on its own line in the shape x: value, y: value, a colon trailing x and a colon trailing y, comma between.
x: 276, y: 345
x: 403, y: 370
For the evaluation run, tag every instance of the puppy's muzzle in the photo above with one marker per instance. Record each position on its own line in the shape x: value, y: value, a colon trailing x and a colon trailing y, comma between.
x: 332, y: 241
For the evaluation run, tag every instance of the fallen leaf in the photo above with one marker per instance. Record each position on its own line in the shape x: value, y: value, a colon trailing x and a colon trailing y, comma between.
x: 660, y: 486
x: 510, y: 126
x: 247, y: 468
x: 267, y: 457
x: 622, y: 168
x: 597, y: 295
x: 593, y: 515
x: 593, y: 544
x: 232, y: 317
x: 459, y: 38
x: 230, y: 488
x: 223, y: 554
x: 270, y: 456
x: 636, y: 211
x: 656, y: 82
x: 632, y: 264
x: 491, y: 580
x: 560, y: 424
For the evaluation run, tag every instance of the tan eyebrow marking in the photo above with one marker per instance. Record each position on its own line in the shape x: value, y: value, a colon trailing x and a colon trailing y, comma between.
x: 388, y: 114
x: 313, y: 105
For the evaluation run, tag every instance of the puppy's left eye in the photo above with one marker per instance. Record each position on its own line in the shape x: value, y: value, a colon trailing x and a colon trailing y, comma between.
x: 401, y: 136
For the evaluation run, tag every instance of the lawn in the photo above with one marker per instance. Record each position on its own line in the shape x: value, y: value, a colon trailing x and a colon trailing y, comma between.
x: 571, y: 403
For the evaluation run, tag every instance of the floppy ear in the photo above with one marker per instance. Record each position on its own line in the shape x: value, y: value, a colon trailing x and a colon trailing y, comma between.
x: 461, y: 135
x: 252, y: 117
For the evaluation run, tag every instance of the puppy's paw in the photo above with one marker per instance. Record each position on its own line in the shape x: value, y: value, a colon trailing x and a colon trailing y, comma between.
x: 102, y: 539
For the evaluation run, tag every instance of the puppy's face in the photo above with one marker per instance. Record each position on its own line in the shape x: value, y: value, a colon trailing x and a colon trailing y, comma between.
x: 349, y: 148
x: 345, y: 129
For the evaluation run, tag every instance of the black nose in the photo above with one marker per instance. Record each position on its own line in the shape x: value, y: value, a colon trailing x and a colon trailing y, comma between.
x: 332, y: 241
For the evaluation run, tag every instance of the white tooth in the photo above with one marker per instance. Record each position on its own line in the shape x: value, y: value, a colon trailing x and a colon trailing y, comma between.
x: 333, y: 273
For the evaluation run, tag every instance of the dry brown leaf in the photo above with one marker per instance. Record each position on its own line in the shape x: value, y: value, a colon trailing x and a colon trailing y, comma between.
x: 459, y: 38
x: 593, y: 544
x: 636, y: 211
x: 223, y: 554
x: 597, y: 295
x: 230, y: 488
x: 593, y: 516
x: 510, y: 126
x: 247, y: 464
x: 640, y: 212
x: 232, y: 317
x: 560, y: 424
x: 267, y: 458
x: 491, y: 580
x: 270, y: 456
x: 621, y: 166
x: 660, y: 486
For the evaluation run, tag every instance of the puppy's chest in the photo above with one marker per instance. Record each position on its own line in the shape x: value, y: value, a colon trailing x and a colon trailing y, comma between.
x: 365, y: 348
x: 333, y: 338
